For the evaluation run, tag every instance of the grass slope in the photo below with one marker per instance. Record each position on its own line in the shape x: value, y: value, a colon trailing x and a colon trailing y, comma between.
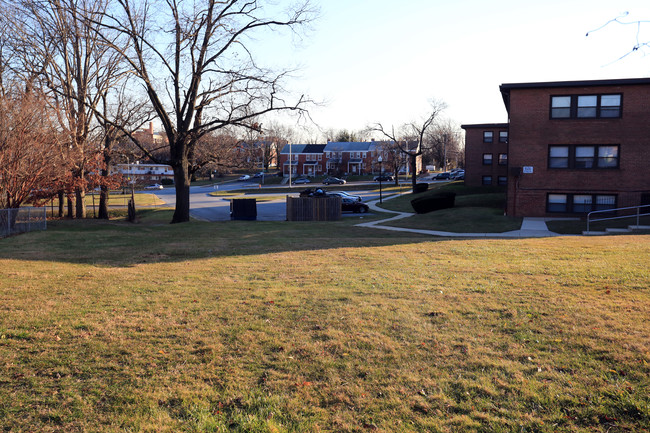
x: 290, y: 327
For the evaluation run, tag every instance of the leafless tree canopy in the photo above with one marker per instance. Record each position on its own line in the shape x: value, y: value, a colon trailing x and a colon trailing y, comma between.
x: 412, y: 132
x: 195, y: 60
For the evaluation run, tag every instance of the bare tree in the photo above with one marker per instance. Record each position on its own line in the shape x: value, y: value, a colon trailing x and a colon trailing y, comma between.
x: 443, y: 143
x: 410, y: 132
x: 196, y: 63
x: 57, y: 41
x: 118, y: 111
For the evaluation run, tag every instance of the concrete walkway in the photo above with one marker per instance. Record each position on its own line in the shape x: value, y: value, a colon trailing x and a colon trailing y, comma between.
x: 530, y: 227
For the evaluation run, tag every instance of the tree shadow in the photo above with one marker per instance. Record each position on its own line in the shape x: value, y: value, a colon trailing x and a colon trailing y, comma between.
x: 154, y: 240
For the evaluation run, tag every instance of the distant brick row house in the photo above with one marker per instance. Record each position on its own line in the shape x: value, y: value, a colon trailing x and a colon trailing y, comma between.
x: 331, y: 158
x: 570, y: 147
x: 339, y: 158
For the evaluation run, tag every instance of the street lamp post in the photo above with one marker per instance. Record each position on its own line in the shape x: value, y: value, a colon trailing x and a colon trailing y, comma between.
x: 380, y: 178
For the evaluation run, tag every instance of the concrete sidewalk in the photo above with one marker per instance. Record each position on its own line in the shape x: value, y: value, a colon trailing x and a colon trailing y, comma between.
x: 530, y: 227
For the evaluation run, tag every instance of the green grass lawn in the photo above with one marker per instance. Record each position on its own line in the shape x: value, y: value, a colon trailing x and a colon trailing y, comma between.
x: 319, y: 327
x: 476, y: 210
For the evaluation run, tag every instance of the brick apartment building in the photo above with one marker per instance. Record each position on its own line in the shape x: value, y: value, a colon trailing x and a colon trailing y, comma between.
x: 577, y: 146
x: 572, y: 146
x: 486, y: 154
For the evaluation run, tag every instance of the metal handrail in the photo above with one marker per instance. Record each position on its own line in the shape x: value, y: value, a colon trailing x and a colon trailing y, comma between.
x: 638, y: 214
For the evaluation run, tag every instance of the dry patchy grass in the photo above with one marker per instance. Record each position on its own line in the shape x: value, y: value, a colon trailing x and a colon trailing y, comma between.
x: 493, y: 335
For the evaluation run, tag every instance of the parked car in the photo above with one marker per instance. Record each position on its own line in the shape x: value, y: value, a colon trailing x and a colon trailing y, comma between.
x: 244, y: 177
x: 154, y: 186
x: 301, y: 180
x: 350, y: 205
x: 458, y: 175
x: 442, y: 176
x: 384, y: 178
x: 344, y: 194
x: 333, y: 180
x: 309, y: 192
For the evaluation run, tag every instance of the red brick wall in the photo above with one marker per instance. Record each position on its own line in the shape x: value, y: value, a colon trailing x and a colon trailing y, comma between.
x: 532, y: 131
x: 474, y: 150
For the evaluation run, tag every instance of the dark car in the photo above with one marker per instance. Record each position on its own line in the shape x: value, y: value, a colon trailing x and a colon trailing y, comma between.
x: 459, y: 175
x: 333, y: 180
x: 383, y: 178
x: 309, y: 192
x: 442, y: 176
x: 350, y: 205
x: 301, y: 180
x: 344, y: 194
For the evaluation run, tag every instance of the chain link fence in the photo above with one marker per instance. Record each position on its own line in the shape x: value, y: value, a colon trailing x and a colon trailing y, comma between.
x: 15, y: 221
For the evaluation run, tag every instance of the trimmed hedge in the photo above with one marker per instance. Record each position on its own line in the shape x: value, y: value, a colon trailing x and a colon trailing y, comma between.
x: 420, y: 187
x: 441, y: 200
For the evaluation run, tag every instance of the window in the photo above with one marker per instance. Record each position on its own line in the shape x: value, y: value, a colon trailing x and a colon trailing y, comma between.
x: 320, y: 156
x: 487, y: 159
x: 579, y: 203
x: 487, y: 136
x: 604, y: 202
x: 585, y: 106
x: 560, y: 107
x: 502, y: 180
x: 503, y: 136
x: 487, y: 180
x: 558, y: 157
x: 503, y: 159
x: 586, y: 157
x: 556, y: 203
x: 610, y: 106
x: 607, y: 156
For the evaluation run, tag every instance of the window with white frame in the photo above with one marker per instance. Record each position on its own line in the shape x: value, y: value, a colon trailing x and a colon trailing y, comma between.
x: 488, y: 136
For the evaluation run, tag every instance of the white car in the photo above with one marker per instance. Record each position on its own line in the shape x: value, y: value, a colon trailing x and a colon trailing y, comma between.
x: 244, y: 177
x: 154, y: 186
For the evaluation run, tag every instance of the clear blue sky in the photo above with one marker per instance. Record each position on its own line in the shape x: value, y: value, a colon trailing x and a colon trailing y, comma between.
x: 382, y: 60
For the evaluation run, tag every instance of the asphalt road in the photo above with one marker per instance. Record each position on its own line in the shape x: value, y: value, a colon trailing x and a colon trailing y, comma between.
x: 208, y: 208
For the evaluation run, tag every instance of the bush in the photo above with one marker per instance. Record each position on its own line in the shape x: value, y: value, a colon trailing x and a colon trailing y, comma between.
x: 420, y: 187
x: 442, y: 200
x: 167, y: 182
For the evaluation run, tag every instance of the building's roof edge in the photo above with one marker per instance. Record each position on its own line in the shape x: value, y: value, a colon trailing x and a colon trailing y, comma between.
x: 580, y: 83
x: 484, y: 125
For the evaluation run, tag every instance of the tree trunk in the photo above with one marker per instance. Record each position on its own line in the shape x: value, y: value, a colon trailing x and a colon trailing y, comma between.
x: 182, y: 184
x: 103, y: 204
x: 70, y: 206
x: 80, y: 203
x: 412, y: 159
x: 61, y: 204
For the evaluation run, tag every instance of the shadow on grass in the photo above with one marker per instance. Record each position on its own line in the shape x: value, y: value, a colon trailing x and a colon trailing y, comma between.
x: 153, y: 239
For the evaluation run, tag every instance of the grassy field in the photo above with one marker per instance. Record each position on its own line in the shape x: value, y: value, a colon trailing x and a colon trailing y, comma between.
x: 476, y: 210
x: 319, y: 327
